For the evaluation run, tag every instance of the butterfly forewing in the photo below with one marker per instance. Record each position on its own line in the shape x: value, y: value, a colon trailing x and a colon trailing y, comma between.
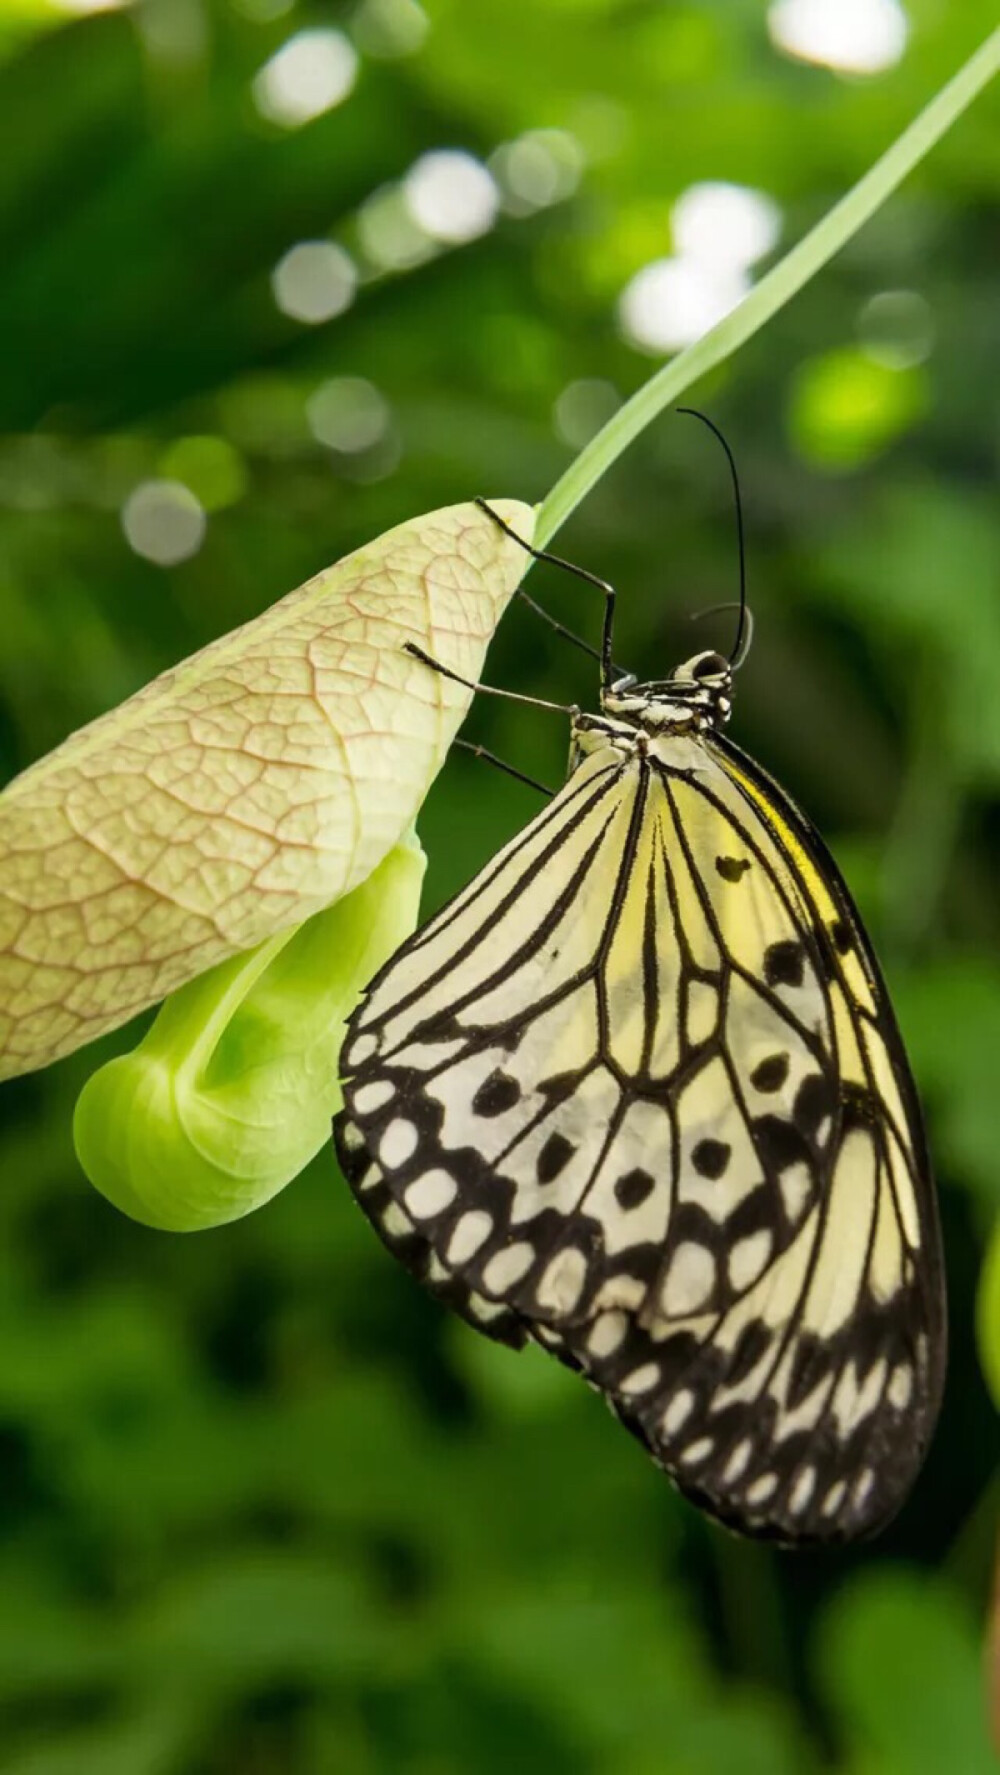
x: 637, y: 1093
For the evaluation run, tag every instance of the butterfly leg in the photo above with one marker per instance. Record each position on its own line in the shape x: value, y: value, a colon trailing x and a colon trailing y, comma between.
x: 511, y: 696
x: 510, y: 770
x: 558, y: 627
x: 608, y: 670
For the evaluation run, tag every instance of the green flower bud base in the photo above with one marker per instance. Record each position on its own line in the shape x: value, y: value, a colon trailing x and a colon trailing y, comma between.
x: 232, y: 1090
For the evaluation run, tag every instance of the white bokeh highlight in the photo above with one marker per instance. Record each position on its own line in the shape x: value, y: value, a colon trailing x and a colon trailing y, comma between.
x: 850, y: 36
x: 451, y: 195
x: 719, y: 231
x: 387, y: 29
x: 348, y: 414
x: 311, y: 73
x: 723, y: 226
x: 582, y: 408
x: 896, y: 329
x: 314, y: 282
x: 538, y: 168
x: 163, y: 522
x: 389, y: 238
x: 672, y: 302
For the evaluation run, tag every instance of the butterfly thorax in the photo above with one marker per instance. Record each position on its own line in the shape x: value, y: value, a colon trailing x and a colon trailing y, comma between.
x: 695, y: 698
x: 641, y: 720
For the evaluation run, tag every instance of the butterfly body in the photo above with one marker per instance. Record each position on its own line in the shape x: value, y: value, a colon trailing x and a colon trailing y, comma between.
x: 637, y: 1093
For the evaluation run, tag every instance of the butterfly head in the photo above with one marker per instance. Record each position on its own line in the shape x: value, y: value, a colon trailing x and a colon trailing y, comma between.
x: 698, y: 694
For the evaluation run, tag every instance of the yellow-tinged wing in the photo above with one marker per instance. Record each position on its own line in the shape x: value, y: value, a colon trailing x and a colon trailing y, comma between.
x: 638, y: 1093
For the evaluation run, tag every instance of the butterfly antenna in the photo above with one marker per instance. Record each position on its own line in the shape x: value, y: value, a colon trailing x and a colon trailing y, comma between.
x: 748, y: 628
x: 744, y: 627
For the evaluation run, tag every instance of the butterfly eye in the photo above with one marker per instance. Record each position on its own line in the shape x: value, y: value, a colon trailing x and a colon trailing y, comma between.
x: 709, y: 665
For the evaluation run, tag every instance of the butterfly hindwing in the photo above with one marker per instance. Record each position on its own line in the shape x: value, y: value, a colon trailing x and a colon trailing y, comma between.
x: 637, y: 1093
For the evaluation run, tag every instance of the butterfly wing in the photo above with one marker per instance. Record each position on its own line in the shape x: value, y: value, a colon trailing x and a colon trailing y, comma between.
x: 638, y: 1093
x: 431, y: 1077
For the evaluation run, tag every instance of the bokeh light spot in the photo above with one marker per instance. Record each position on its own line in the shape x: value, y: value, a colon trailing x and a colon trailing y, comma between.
x: 844, y: 409
x: 451, y: 195
x: 308, y: 75
x: 852, y: 36
x: 896, y: 328
x: 348, y: 414
x: 539, y: 168
x: 386, y: 29
x: 314, y: 282
x: 163, y: 522
x: 265, y: 413
x: 582, y: 408
x: 210, y: 466
x: 602, y: 126
x: 388, y: 237
x: 672, y: 302
x: 725, y: 226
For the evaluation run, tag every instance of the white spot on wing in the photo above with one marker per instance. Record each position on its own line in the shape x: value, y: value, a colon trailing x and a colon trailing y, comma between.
x: 641, y: 1379
x: 738, y: 1461
x: 621, y: 1291
x: 761, y: 1489
x: 369, y: 1098
x: 852, y: 1402
x: 471, y: 1231
x: 834, y: 1498
x: 690, y: 1279
x: 485, y: 1309
x: 677, y: 1412
x: 748, y: 1259
x: 795, y: 1185
x: 562, y: 1282
x: 398, y: 1143
x: 606, y: 1334
x: 864, y: 1485
x: 395, y: 1222
x: 507, y: 1267
x: 900, y: 1389
x: 805, y: 1415
x: 802, y: 1490
x: 430, y: 1194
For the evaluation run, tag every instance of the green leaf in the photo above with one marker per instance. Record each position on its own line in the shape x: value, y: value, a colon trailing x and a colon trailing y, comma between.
x: 232, y: 1091
x: 901, y: 1661
x: 950, y: 1014
x: 244, y: 790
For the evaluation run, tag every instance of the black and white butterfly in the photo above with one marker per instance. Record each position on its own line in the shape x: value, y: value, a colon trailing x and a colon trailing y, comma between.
x: 638, y: 1094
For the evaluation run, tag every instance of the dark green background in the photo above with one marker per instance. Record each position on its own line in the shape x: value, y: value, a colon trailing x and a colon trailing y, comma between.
x: 263, y: 1507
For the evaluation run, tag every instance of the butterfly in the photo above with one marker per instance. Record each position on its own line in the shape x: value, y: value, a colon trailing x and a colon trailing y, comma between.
x: 638, y: 1094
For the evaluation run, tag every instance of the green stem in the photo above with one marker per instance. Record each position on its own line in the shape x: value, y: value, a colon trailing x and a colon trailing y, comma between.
x: 773, y: 291
x: 924, y: 831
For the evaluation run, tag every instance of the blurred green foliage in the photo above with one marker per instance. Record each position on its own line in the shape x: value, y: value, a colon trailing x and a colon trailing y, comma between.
x: 262, y: 1506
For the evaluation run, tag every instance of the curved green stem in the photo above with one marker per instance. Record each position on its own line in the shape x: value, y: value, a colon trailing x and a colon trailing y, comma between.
x: 773, y: 291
